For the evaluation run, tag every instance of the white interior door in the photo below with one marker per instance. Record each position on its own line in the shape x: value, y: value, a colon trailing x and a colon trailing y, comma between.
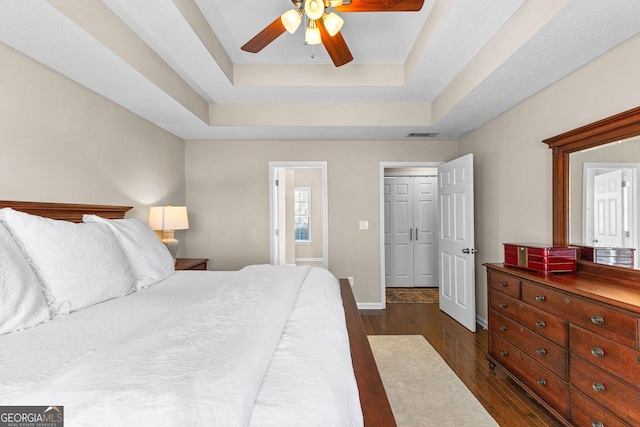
x: 400, y: 232
x: 456, y: 241
x: 607, y: 214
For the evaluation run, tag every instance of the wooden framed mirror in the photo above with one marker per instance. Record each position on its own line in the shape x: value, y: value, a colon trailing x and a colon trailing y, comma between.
x: 615, y: 128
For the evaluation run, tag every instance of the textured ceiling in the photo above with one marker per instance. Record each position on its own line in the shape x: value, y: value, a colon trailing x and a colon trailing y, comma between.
x: 447, y: 69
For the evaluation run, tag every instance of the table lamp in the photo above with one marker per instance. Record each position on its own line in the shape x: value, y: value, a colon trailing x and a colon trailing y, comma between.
x: 168, y: 219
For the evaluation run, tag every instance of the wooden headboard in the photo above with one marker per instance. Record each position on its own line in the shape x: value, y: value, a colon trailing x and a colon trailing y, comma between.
x: 66, y: 211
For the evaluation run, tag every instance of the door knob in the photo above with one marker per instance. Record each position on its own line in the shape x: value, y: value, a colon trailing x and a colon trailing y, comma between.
x: 469, y: 251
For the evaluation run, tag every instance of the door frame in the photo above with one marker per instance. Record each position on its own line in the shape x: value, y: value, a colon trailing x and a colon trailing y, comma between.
x: 273, y: 211
x: 385, y: 165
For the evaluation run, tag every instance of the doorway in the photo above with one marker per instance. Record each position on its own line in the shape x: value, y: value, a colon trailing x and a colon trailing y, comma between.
x: 400, y: 170
x: 454, y: 240
x: 298, y: 220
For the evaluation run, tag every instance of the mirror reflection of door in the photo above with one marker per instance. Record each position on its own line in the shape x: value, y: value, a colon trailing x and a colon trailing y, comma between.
x: 609, y: 202
x: 611, y: 205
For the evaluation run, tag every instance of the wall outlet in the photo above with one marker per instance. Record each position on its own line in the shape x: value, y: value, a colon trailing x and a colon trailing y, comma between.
x: 364, y: 225
x: 350, y: 279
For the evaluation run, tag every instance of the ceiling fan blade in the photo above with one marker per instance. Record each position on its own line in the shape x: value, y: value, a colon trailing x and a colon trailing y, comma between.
x: 336, y: 46
x: 264, y: 37
x: 381, y: 6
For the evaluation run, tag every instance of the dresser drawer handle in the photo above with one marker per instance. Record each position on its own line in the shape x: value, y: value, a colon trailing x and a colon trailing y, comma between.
x: 541, y: 351
x: 597, y: 320
x: 505, y: 353
x: 599, y: 387
x: 541, y: 298
x: 542, y: 382
x: 597, y: 352
x: 597, y: 424
x: 503, y: 305
x: 503, y: 284
x: 540, y: 324
x: 503, y: 328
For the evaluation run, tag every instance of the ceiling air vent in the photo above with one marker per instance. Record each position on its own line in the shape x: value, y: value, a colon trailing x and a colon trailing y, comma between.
x: 422, y: 134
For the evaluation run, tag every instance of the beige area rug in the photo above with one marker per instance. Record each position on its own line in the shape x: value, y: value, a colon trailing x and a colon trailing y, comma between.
x: 413, y: 295
x: 422, y: 389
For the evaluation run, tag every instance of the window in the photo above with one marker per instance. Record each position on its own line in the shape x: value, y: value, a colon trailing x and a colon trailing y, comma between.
x: 303, y: 214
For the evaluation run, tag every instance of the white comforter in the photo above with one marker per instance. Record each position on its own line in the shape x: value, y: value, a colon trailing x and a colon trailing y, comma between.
x: 267, y: 346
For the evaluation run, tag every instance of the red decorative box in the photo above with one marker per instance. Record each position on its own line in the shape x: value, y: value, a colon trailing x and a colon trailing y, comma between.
x: 539, y: 257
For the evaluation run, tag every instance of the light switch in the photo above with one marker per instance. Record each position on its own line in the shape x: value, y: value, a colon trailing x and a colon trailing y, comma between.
x: 364, y: 225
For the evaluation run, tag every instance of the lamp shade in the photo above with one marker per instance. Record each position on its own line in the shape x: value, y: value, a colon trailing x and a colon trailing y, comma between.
x: 168, y: 218
x: 312, y: 35
x: 291, y: 19
x: 333, y: 23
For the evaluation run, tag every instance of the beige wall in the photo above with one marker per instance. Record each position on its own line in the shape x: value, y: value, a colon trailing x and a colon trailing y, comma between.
x: 63, y: 143
x: 513, y: 166
x: 228, y: 199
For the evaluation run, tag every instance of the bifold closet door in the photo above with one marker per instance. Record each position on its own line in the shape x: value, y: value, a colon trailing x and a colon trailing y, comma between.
x: 424, y: 223
x: 409, y: 231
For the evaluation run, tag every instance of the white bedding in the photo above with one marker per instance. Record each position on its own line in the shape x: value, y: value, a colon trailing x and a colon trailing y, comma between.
x: 262, y: 346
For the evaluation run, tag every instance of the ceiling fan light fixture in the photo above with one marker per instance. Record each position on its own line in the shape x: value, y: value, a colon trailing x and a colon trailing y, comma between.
x: 333, y: 23
x: 291, y: 19
x: 314, y: 9
x: 333, y: 3
x: 312, y: 35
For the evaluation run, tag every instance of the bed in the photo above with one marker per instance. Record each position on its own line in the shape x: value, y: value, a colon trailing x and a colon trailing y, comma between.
x: 265, y: 345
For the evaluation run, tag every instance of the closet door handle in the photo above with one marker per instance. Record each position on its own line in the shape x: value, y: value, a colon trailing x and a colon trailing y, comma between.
x: 416, y: 234
x: 410, y: 234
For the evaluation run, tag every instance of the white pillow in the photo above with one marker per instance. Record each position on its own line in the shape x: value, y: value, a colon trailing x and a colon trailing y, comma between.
x: 22, y: 302
x: 149, y: 258
x: 78, y: 265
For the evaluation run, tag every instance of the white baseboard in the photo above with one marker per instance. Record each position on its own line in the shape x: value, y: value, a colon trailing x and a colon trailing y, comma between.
x: 370, y: 306
x: 482, y: 322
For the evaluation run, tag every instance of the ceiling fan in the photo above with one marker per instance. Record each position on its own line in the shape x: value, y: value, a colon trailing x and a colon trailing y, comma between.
x: 323, y: 27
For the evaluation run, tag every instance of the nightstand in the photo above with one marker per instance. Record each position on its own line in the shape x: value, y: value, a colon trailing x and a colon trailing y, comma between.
x: 191, y: 263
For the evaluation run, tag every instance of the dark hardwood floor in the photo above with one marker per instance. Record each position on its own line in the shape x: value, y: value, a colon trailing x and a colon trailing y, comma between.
x: 465, y: 352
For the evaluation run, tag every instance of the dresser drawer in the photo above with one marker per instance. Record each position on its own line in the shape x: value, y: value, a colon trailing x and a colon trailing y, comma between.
x: 607, y: 322
x: 585, y: 412
x: 601, y: 387
x: 543, y: 351
x: 506, y: 283
x: 538, y: 321
x: 619, y: 360
x: 539, y: 380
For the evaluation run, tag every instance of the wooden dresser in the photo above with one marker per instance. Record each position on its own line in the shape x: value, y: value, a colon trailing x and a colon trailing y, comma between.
x: 572, y: 340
